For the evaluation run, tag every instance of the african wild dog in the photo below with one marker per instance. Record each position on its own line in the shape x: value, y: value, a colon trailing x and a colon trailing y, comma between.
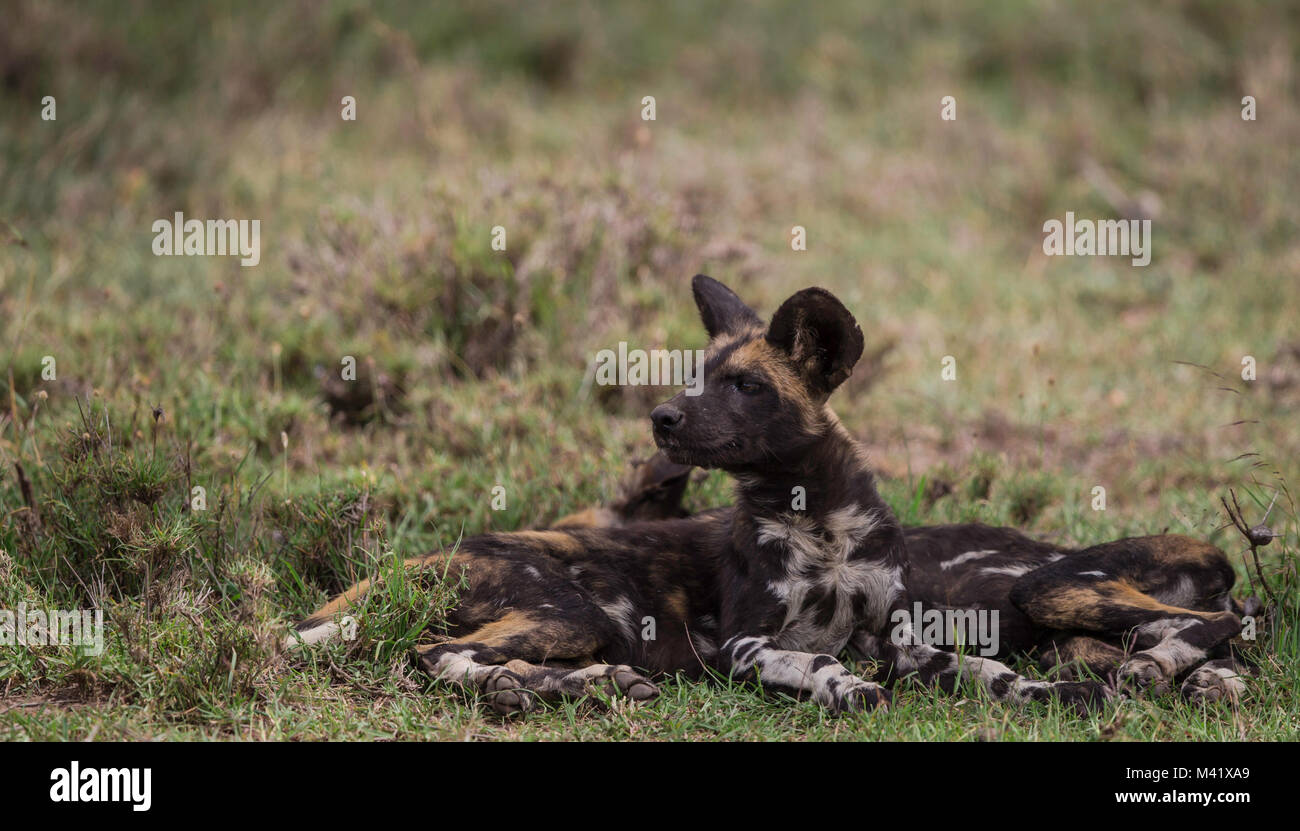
x: 766, y: 592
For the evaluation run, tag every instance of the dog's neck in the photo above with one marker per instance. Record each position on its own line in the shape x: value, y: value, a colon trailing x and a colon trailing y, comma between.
x: 830, y: 477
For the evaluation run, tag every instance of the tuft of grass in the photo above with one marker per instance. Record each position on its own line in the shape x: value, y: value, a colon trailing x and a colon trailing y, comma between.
x: 1027, y: 496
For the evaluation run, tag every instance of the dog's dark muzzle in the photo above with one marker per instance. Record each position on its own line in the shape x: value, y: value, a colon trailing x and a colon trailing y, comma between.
x: 667, y: 420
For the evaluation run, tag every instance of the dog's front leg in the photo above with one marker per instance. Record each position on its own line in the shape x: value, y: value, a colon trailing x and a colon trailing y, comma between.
x: 932, y: 666
x: 824, y: 678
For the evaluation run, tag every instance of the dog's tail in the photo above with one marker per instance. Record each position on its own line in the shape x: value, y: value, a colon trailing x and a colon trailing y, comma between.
x: 332, y: 619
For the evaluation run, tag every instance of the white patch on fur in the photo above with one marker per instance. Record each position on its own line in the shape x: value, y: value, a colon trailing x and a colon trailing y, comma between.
x: 1171, y: 653
x: 620, y: 611
x: 1174, y: 655
x: 1232, y: 684
x: 967, y: 557
x: 984, y: 671
x: 312, y: 636
x: 460, y: 668
x: 1158, y: 630
x: 593, y: 671
x: 533, y: 572
x: 793, y: 670
x: 821, y: 561
x: 1011, y: 571
x: 1092, y: 574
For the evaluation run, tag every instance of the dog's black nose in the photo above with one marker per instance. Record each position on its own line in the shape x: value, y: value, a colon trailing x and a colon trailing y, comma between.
x: 667, y: 418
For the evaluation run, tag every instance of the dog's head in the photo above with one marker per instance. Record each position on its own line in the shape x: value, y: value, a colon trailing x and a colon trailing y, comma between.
x: 765, y: 387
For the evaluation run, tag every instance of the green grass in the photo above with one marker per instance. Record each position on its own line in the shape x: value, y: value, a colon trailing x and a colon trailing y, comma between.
x: 376, y: 245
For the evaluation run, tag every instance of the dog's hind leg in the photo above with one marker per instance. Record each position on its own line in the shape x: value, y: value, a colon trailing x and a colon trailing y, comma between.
x: 1168, y: 595
x: 501, y: 660
x: 1172, y: 645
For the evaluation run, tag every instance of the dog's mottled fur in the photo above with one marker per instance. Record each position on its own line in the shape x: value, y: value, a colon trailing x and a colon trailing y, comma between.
x: 776, y: 588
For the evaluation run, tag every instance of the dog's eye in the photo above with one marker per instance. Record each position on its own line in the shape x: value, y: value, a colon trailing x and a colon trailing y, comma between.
x: 746, y: 386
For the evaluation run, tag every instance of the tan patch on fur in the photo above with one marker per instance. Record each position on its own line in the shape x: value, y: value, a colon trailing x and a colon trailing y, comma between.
x: 529, y: 638
x: 590, y: 518
x: 675, y: 603
x: 1076, y: 607
x: 725, y: 340
x: 1068, y: 607
x: 1177, y: 549
x: 511, y: 625
x: 1119, y: 591
x: 550, y: 541
x: 349, y: 597
x: 1080, y: 657
x: 343, y: 601
x: 486, y: 570
x: 760, y: 356
x: 1089, y: 651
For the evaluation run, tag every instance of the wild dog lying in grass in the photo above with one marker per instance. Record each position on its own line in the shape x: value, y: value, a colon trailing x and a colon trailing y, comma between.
x: 767, y: 592
x: 1083, y: 611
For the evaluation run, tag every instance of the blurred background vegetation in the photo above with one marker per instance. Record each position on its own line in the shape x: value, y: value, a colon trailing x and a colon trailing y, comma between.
x: 1072, y: 372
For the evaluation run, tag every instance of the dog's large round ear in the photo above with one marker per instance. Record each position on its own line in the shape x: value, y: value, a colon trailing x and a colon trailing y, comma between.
x: 720, y: 309
x: 820, y: 336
